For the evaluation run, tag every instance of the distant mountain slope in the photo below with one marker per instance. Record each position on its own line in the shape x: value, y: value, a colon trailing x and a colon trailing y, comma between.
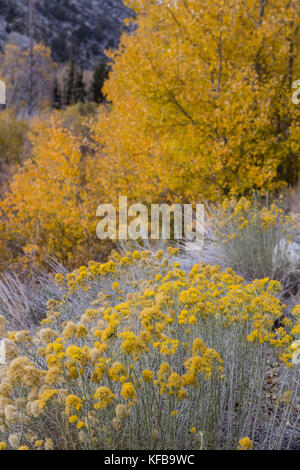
x: 82, y: 29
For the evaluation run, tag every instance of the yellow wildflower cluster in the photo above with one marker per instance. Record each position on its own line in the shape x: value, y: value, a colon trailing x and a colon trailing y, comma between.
x: 244, y: 214
x: 245, y: 444
x: 156, y: 351
x: 254, y: 237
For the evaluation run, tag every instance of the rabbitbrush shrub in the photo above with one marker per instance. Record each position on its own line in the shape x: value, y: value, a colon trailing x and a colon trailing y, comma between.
x: 138, y: 354
x: 254, y: 237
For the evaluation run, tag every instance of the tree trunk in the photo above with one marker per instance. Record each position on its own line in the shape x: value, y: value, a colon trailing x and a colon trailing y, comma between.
x: 31, y: 23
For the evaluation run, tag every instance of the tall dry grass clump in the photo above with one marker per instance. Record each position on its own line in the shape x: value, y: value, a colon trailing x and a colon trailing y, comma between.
x: 256, y: 238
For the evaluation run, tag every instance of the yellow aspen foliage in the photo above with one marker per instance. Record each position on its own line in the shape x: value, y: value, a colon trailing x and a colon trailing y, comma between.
x: 45, y: 211
x: 201, y: 97
x: 14, y: 71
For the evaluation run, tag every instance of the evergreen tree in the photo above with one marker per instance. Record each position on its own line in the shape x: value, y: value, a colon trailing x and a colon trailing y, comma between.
x: 99, y: 77
x: 56, y: 96
x: 69, y: 84
x: 74, y: 85
x: 78, y: 87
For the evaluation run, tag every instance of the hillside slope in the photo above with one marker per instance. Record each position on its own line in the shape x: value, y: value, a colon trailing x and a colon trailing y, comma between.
x: 82, y: 29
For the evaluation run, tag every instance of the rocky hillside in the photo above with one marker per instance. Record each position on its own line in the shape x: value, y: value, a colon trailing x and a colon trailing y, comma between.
x: 82, y: 29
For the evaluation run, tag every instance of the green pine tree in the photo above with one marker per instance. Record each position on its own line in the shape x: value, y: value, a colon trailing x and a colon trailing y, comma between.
x: 78, y: 87
x: 56, y: 96
x: 99, y: 77
x: 69, y: 84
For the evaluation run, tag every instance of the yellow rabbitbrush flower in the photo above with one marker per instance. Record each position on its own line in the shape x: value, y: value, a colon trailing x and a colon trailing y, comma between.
x: 131, y: 344
x: 128, y: 392
x: 104, y: 397
x: 45, y: 397
x: 98, y: 371
x: 296, y: 330
x: 73, y: 402
x: 76, y: 353
x: 117, y: 372
x: 73, y: 419
x: 175, y: 381
x: 245, y: 444
x: 167, y: 346
x: 38, y: 443
x: 148, y: 376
